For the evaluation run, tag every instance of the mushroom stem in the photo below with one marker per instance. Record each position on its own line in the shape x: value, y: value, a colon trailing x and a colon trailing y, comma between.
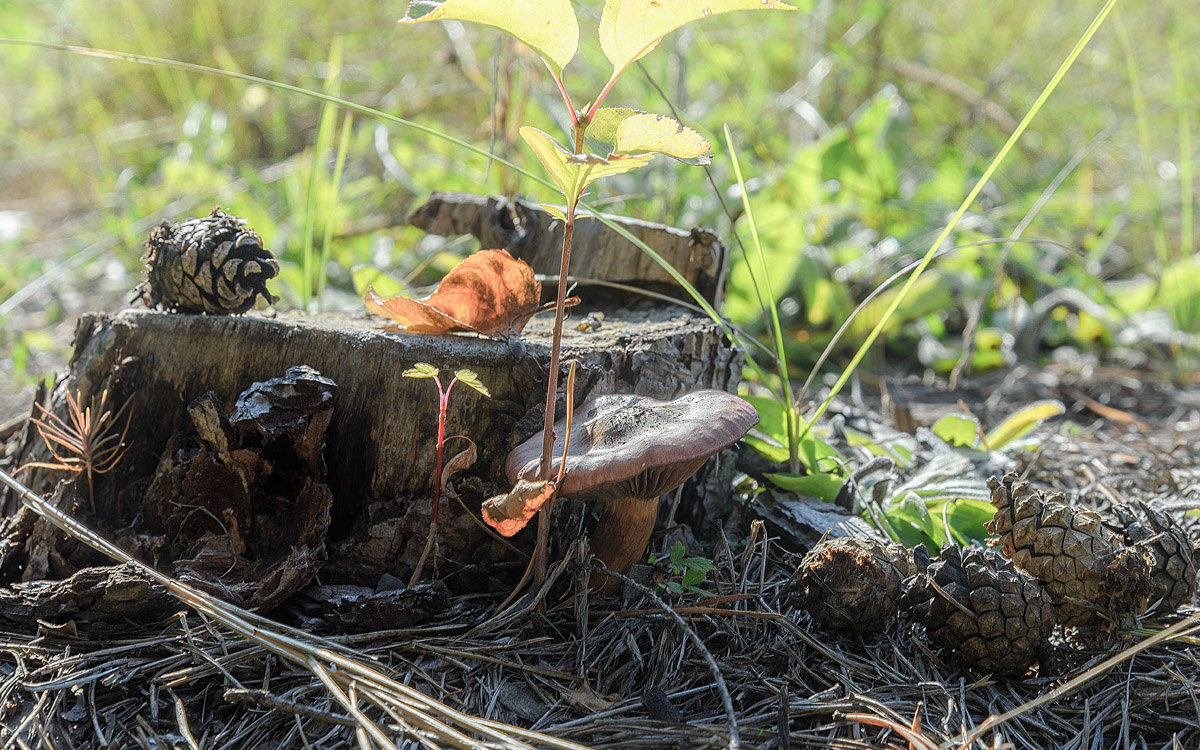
x: 621, y: 536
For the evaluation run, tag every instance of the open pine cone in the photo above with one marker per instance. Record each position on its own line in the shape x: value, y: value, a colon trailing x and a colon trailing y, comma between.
x: 214, y: 264
x: 1094, y: 579
x: 994, y: 616
x: 1173, y: 558
x: 852, y: 583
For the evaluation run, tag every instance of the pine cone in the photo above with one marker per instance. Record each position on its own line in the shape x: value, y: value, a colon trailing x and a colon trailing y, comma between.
x: 213, y: 264
x: 852, y: 583
x: 1092, y: 577
x: 1173, y: 558
x: 994, y: 616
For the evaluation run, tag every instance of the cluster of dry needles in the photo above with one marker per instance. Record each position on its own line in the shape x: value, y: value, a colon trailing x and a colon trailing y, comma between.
x: 85, y: 443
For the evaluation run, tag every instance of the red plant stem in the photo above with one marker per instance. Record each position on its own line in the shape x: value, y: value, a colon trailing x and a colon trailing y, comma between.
x: 603, y: 93
x: 562, y: 90
x: 556, y: 348
x: 443, y: 402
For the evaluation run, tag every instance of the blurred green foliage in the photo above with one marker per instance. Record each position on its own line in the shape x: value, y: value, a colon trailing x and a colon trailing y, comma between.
x: 860, y: 126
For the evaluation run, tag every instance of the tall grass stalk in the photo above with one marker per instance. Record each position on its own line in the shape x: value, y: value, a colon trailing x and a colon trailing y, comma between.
x: 1142, y: 118
x: 792, y: 414
x: 320, y: 148
x: 1187, y: 240
x: 992, y: 167
x: 339, y: 167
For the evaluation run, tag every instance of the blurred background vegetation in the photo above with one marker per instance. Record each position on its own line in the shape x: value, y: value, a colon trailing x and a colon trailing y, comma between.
x: 860, y: 125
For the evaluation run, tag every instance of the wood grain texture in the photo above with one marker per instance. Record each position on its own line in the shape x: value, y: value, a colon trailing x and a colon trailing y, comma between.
x: 380, y: 440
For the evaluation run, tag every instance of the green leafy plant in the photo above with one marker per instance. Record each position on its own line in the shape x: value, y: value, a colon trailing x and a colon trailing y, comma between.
x: 687, y: 573
x: 461, y: 460
x: 936, y: 505
x: 603, y: 141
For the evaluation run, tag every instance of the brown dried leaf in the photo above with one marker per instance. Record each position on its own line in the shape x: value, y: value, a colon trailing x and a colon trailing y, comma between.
x: 461, y: 460
x: 509, y: 513
x: 591, y: 700
x: 489, y: 292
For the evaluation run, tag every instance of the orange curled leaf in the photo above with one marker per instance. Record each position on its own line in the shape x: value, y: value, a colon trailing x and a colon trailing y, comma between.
x: 509, y: 513
x: 489, y: 293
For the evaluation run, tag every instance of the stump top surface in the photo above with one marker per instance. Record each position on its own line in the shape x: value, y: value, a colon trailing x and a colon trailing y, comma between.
x: 615, y: 330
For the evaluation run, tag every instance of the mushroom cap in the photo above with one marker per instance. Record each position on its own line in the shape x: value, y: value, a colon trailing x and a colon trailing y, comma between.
x: 627, y: 445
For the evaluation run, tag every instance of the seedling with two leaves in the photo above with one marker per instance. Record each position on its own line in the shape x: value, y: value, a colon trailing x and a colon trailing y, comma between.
x: 460, y: 461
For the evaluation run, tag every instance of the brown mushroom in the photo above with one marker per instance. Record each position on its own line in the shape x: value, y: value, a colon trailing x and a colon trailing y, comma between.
x: 626, y: 451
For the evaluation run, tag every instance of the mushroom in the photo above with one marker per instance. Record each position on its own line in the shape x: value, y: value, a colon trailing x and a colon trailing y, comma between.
x: 626, y: 451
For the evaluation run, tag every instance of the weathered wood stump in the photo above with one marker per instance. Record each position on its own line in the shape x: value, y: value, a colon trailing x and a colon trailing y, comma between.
x: 181, y: 375
x: 531, y: 233
x: 381, y: 438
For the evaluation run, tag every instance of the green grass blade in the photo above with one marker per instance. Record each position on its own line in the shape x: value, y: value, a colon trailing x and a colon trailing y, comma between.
x: 320, y: 146
x: 1141, y: 116
x: 992, y: 167
x: 335, y: 187
x: 769, y: 303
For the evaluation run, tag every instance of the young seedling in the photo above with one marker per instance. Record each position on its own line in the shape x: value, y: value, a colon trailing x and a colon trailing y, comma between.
x: 460, y: 461
x: 691, y: 571
x: 603, y: 141
x: 88, y: 440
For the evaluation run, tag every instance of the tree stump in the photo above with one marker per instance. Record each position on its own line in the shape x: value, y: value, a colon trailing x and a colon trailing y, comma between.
x: 380, y: 442
x: 220, y: 498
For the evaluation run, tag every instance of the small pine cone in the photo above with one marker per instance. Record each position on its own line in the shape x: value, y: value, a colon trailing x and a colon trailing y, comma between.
x: 1094, y: 579
x: 1173, y: 558
x: 996, y: 617
x: 213, y: 264
x: 852, y: 583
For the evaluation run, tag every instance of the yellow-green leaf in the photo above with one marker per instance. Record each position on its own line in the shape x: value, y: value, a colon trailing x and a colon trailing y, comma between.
x: 1021, y: 423
x: 604, y: 123
x: 555, y: 158
x: 647, y: 132
x: 555, y: 211
x: 469, y: 378
x: 631, y: 28
x: 625, y: 130
x: 958, y: 429
x: 572, y: 173
x: 548, y: 26
x: 612, y: 165
x: 420, y: 370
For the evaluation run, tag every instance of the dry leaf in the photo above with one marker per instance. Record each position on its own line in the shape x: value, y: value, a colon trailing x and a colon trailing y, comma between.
x: 508, y: 514
x: 591, y: 700
x: 461, y: 460
x: 489, y: 293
